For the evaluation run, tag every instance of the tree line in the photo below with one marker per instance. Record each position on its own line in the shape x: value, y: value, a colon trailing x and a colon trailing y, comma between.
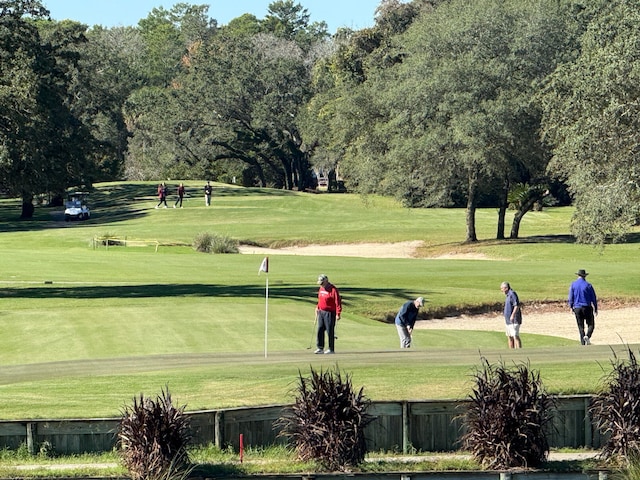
x: 496, y: 103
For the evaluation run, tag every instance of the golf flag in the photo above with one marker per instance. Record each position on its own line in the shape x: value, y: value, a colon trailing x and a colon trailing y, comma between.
x: 264, y: 267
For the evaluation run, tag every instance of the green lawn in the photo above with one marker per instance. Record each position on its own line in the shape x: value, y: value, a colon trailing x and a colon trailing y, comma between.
x: 85, y: 330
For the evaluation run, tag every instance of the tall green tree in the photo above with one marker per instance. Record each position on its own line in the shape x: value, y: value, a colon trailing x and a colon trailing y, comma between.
x: 591, y: 117
x: 341, y: 122
x: 168, y: 34
x: 43, y: 144
x: 291, y: 21
x: 111, y: 69
x: 449, y: 104
x: 239, y: 102
x: 233, y: 109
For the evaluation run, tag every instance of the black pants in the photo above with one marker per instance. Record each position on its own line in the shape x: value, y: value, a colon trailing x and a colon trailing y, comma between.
x: 585, y: 315
x: 326, y: 323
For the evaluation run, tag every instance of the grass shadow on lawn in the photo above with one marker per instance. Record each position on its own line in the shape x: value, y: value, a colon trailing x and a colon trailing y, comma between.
x: 88, y: 291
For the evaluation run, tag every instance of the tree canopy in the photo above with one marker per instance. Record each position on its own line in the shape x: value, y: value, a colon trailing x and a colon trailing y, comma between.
x: 496, y: 103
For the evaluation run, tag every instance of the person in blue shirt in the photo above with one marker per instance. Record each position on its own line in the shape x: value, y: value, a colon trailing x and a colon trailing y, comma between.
x: 406, y: 319
x: 512, y: 315
x: 584, y: 304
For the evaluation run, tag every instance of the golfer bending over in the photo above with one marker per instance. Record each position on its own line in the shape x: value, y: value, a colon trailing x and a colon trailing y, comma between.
x: 328, y: 312
x: 406, y: 319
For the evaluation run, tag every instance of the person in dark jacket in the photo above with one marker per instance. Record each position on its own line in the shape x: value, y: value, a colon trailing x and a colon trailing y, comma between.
x: 208, y: 190
x: 406, y: 319
x: 512, y: 315
x: 180, y: 196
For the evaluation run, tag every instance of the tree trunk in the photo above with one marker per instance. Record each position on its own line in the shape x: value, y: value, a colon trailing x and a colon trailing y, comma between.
x: 515, y: 226
x: 502, y: 211
x: 517, y: 218
x: 520, y: 213
x: 471, y: 207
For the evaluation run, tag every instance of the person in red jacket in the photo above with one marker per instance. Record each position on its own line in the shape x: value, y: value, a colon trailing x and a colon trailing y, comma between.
x: 328, y: 313
x: 180, y: 196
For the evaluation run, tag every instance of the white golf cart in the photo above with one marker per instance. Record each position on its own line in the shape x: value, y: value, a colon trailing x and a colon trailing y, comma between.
x: 76, y: 207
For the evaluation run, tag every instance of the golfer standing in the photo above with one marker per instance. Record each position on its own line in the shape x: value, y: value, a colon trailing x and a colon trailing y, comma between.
x: 512, y: 315
x: 208, y: 189
x: 584, y: 304
x: 328, y: 312
x: 406, y: 319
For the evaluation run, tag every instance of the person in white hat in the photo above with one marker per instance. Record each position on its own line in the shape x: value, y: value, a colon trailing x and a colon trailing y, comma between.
x: 406, y: 319
x: 584, y: 304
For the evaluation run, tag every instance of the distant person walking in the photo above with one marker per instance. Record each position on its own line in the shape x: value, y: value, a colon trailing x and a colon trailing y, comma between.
x: 208, y: 190
x: 328, y: 313
x: 180, y: 196
x: 584, y: 304
x: 406, y: 319
x: 162, y: 195
x: 512, y: 315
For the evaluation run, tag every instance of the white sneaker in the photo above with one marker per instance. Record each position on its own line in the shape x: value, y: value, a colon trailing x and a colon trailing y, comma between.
x: 174, y: 206
x: 329, y: 352
x: 318, y: 350
x: 157, y: 207
x: 587, y: 340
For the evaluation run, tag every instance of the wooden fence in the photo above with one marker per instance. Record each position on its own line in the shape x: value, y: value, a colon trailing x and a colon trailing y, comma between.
x: 428, y: 426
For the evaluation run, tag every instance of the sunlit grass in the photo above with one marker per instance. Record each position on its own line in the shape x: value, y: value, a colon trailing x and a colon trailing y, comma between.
x: 210, y: 461
x: 85, y: 330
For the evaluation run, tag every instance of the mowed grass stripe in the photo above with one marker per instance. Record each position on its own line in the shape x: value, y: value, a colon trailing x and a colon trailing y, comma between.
x: 250, y: 379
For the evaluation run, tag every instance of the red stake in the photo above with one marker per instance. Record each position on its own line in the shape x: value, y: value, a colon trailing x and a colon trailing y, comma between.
x: 241, y: 447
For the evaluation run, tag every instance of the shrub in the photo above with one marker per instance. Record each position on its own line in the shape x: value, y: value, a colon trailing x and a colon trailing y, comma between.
x: 631, y: 470
x: 507, y: 417
x: 153, y: 438
x: 212, y: 243
x: 616, y: 410
x: 327, y: 421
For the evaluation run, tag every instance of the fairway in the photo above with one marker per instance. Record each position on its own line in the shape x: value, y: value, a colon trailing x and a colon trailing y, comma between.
x: 86, y: 329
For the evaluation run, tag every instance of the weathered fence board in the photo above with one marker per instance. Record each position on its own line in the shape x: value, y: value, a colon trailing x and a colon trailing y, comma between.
x: 428, y: 426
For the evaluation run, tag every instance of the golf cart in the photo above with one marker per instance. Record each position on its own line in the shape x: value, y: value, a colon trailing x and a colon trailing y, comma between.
x: 76, y: 207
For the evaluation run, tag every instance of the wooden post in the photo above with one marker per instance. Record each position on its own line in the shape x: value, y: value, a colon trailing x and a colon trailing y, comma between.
x: 31, y: 438
x: 406, y: 427
x: 218, y: 429
x: 588, y: 432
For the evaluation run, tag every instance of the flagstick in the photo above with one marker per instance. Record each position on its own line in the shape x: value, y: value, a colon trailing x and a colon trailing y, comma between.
x: 264, y: 267
x: 266, y: 314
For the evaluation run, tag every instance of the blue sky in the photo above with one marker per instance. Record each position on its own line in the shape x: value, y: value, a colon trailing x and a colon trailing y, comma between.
x: 355, y: 14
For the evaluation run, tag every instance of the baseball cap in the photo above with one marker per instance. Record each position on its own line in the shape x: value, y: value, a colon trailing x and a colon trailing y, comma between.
x: 420, y: 301
x: 321, y: 278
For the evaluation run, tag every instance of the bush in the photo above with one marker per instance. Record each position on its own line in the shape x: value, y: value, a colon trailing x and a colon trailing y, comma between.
x: 616, y: 410
x: 507, y: 418
x: 327, y: 421
x: 153, y: 438
x: 211, y: 243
